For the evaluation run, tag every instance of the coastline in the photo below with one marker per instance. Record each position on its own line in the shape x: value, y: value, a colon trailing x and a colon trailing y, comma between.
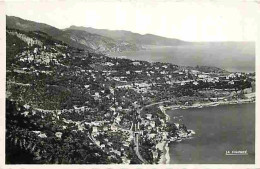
x: 161, y: 146
x: 165, y: 156
x: 243, y: 116
x: 164, y: 145
x: 210, y: 104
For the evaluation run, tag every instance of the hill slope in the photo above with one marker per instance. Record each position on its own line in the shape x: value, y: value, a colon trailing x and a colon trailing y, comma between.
x: 96, y: 42
x: 69, y: 106
x: 75, y: 38
x: 121, y: 35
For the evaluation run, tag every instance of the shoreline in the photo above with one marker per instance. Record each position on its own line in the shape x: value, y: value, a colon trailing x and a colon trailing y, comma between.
x: 164, y: 145
x: 165, y: 156
x: 209, y: 104
x: 161, y: 146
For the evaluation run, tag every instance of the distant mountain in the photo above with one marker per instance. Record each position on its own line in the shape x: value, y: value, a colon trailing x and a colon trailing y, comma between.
x: 95, y: 41
x: 134, y: 38
x: 26, y: 25
x: 75, y: 38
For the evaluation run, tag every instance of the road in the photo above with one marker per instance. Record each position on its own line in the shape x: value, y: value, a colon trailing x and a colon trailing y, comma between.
x: 136, y: 131
x: 152, y: 104
x: 137, y: 150
x: 136, y: 137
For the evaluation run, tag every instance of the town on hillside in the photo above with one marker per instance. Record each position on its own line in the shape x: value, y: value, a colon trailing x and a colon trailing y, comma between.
x: 66, y: 105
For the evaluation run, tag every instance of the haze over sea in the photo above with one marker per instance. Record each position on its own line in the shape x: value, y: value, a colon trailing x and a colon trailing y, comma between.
x: 231, y: 56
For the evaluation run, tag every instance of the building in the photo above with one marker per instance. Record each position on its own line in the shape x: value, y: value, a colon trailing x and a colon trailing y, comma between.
x: 94, y: 130
x: 149, y: 116
x: 152, y: 123
x: 114, y: 127
x: 136, y: 63
x: 195, y: 83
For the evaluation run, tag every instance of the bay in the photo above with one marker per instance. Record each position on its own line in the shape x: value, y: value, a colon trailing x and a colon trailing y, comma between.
x: 218, y: 129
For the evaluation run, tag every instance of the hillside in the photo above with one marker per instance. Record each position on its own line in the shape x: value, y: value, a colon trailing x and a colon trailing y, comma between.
x: 135, y: 38
x: 78, y: 39
x: 94, y: 41
x: 26, y: 25
x: 66, y: 105
x: 56, y: 95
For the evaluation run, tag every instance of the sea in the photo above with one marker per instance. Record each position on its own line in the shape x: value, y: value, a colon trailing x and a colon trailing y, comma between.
x: 219, y: 129
x: 231, y: 56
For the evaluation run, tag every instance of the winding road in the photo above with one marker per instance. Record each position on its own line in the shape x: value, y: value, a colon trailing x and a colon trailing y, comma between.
x: 136, y: 131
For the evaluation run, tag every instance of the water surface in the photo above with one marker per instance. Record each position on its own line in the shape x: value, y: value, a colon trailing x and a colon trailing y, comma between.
x: 232, y: 56
x: 218, y: 129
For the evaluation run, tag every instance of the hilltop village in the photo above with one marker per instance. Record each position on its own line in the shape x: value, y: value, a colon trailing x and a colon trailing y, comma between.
x: 67, y: 105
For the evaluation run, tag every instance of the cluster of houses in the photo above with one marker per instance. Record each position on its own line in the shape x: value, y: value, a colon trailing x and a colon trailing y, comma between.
x: 134, y: 84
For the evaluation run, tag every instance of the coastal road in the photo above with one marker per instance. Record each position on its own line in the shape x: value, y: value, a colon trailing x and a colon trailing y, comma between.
x: 136, y: 137
x: 152, y: 104
x: 136, y: 131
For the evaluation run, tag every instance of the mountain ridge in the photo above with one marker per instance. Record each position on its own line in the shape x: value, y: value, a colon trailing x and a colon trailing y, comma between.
x: 91, y: 39
x: 98, y: 44
x: 123, y: 35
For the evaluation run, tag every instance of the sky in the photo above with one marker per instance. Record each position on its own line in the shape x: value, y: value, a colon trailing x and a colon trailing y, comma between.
x: 190, y: 20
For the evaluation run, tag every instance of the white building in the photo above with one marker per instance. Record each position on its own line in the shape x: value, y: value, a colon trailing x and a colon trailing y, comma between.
x: 195, y: 83
x: 149, y: 116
